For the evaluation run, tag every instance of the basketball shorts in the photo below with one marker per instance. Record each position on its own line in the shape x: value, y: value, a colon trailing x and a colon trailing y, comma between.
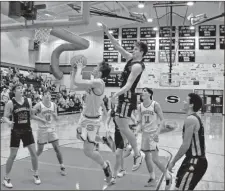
x: 89, y: 127
x: 147, y: 143
x: 190, y: 173
x: 45, y: 136
x: 119, y: 142
x: 124, y: 109
x: 25, y: 135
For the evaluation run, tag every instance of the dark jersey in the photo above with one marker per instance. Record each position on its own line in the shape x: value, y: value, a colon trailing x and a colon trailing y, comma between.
x: 114, y: 121
x: 21, y: 114
x: 197, y: 146
x: 130, y: 95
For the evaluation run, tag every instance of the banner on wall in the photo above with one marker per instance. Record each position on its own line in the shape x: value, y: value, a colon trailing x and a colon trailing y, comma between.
x: 171, y: 100
x: 129, y: 33
x: 186, y: 56
x: 110, y: 57
x: 207, y: 30
x: 164, y: 44
x: 147, y: 32
x: 207, y: 43
x: 185, y: 31
x: 149, y: 57
x: 165, y: 31
x: 186, y: 44
x: 128, y: 44
x: 222, y: 31
x: 108, y: 46
x: 222, y: 44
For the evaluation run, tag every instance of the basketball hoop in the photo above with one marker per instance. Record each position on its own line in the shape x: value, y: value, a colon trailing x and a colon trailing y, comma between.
x: 42, y: 34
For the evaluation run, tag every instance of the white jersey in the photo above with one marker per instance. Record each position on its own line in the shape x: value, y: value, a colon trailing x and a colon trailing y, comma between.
x: 46, y: 112
x: 149, y: 118
x: 93, y: 102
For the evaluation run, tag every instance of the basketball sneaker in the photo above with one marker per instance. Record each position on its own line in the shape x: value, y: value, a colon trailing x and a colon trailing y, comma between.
x: 138, y: 161
x: 63, y: 171
x: 37, y: 180
x: 108, y: 172
x: 113, y: 180
x: 168, y: 183
x: 7, y: 183
x: 121, y: 173
x: 151, y: 182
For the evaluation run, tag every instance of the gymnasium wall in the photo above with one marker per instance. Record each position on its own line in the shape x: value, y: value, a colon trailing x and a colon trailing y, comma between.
x: 15, y: 49
x: 205, y: 73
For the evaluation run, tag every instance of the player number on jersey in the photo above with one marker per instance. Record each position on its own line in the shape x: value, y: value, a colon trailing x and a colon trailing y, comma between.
x: 146, y: 119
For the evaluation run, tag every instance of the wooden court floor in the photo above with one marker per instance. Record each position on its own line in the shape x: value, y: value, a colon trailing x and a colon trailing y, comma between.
x: 169, y: 141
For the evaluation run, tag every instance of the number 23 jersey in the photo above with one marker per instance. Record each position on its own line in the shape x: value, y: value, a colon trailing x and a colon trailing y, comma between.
x: 149, y: 118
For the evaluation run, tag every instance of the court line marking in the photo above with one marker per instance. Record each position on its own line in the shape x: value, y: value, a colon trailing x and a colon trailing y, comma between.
x: 83, y: 168
x: 95, y: 169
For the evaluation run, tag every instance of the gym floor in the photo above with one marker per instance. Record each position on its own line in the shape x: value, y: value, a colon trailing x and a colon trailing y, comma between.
x: 84, y: 173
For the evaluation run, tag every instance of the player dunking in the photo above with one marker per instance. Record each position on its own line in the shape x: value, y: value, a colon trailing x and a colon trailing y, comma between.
x: 47, y: 112
x: 126, y: 96
x: 90, y: 119
x: 149, y: 111
x: 195, y: 163
x: 20, y: 109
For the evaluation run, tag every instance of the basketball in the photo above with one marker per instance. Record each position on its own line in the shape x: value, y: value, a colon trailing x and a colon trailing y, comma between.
x: 78, y: 58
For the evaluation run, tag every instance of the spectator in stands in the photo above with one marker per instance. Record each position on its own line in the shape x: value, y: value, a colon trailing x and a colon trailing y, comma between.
x: 53, y: 87
x: 39, y: 91
x: 36, y: 96
x: 30, y: 75
x: 71, y: 105
x: 24, y: 87
x: 15, y: 79
x: 31, y: 88
x: 4, y: 96
x: 67, y: 100
x: 3, y: 84
x: 10, y: 71
x: 77, y: 105
x: 61, y: 100
x: 41, y: 95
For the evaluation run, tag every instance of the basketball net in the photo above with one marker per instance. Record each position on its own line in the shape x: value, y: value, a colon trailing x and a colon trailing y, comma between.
x: 42, y: 34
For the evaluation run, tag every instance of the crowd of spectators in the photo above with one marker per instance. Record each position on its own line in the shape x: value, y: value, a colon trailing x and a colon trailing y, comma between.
x: 33, y: 86
x: 68, y: 101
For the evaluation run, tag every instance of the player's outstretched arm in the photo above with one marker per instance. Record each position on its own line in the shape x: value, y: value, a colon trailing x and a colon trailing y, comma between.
x: 117, y: 46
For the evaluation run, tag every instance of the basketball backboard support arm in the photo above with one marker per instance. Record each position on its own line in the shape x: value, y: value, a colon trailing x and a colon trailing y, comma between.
x: 209, y: 19
x: 52, y: 23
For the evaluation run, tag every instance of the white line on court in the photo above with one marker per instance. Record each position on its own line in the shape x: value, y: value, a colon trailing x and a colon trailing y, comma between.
x: 83, y: 168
